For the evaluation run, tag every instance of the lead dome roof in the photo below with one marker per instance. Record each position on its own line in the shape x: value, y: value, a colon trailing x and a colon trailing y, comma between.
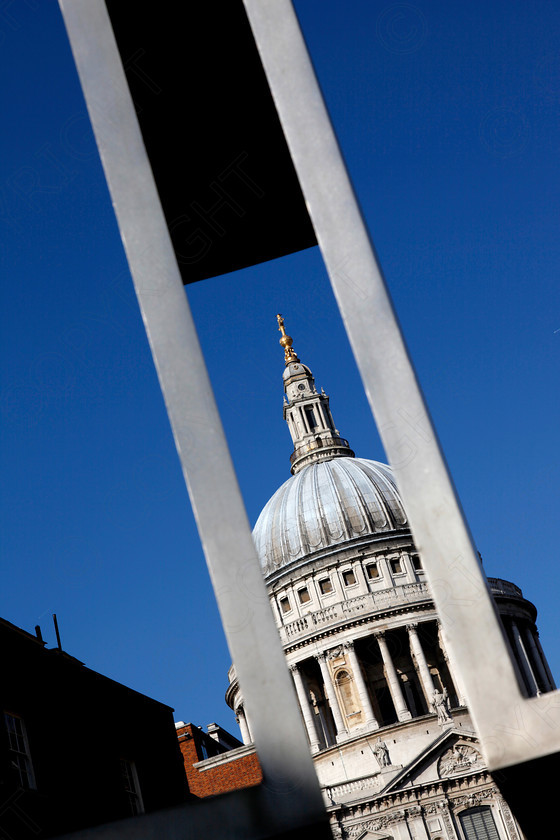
x: 327, y: 504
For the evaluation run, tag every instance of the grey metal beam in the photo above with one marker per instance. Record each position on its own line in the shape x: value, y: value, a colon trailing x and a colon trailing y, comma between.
x: 512, y: 728
x: 290, y: 788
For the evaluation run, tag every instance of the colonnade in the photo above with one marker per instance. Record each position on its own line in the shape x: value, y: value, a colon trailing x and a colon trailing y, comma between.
x: 394, y: 685
x: 529, y: 656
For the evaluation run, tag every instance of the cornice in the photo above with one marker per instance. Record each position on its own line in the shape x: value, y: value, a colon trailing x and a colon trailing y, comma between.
x: 362, y: 621
x: 451, y: 795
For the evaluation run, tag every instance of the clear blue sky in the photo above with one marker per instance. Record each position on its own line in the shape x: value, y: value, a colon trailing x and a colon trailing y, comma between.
x: 448, y: 114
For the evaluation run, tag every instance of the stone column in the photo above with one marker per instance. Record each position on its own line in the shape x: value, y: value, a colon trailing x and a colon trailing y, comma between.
x: 321, y: 409
x: 306, y: 710
x: 303, y: 420
x: 421, y: 664
x: 311, y: 582
x: 524, y: 663
x: 360, y: 574
x: 277, y: 612
x: 416, y: 826
x: 535, y: 657
x: 543, y: 659
x: 383, y: 567
x: 369, y: 716
x: 249, y: 727
x: 242, y: 721
x: 331, y: 694
x: 393, y: 679
x: 453, y: 672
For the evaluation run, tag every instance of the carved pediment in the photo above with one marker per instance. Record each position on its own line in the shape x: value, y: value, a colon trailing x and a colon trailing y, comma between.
x: 453, y: 754
x: 458, y: 759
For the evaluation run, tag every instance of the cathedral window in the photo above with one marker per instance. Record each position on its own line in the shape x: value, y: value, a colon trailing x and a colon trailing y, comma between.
x: 345, y: 689
x: 478, y: 824
x: 396, y: 566
x: 304, y: 595
x: 349, y: 578
x: 372, y: 570
x: 285, y: 604
x: 325, y: 586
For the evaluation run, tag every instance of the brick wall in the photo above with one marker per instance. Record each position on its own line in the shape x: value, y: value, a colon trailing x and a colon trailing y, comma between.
x: 223, y: 770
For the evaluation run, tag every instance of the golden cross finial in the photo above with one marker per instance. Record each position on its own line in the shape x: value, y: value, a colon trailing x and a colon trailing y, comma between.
x: 286, y: 341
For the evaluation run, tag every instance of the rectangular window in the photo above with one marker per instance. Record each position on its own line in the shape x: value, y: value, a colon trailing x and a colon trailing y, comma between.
x: 396, y: 566
x: 285, y: 605
x: 18, y: 750
x: 349, y: 578
x: 416, y: 562
x: 479, y: 824
x: 325, y: 586
x: 131, y: 787
x: 372, y: 570
x: 304, y: 596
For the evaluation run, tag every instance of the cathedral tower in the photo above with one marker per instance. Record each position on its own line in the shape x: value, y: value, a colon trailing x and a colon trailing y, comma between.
x: 307, y: 413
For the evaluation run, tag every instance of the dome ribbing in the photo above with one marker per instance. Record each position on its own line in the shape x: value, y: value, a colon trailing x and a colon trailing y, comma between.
x: 327, y: 504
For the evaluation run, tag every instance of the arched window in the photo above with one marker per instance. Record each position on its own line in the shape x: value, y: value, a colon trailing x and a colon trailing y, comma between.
x: 346, y: 692
x: 478, y: 824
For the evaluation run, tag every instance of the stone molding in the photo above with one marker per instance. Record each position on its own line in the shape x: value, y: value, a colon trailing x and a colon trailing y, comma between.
x: 385, y: 812
x: 511, y: 826
x: 473, y: 800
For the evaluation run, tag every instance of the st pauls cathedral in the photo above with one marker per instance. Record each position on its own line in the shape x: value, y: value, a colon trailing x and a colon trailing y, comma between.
x: 393, y: 743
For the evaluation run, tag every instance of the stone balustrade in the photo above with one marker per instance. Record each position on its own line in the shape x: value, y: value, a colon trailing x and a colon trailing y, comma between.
x: 342, y: 611
x: 373, y: 602
x: 371, y: 783
x: 504, y: 587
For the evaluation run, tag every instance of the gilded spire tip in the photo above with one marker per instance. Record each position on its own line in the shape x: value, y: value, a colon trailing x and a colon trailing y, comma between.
x: 286, y: 341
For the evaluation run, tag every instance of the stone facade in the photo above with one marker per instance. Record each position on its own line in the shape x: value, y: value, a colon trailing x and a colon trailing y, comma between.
x: 384, y: 710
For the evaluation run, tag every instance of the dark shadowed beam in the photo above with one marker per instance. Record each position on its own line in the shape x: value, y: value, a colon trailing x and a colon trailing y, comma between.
x: 223, y: 171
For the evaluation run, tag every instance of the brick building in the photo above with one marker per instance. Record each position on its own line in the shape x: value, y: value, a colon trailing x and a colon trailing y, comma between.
x: 215, y: 761
x: 77, y: 749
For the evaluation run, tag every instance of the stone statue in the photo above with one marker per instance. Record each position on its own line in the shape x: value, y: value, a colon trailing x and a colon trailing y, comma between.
x: 381, y: 753
x: 440, y: 705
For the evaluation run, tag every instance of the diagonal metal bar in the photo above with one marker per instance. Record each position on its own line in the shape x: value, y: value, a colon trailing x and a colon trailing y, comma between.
x: 290, y: 786
x: 512, y: 728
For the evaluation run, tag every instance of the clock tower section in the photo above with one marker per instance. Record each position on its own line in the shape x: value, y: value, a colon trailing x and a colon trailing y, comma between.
x: 307, y: 413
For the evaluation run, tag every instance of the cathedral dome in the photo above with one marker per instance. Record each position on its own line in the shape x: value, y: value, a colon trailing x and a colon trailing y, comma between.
x: 326, y: 504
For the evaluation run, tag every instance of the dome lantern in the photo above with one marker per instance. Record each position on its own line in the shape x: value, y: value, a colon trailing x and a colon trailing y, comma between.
x: 307, y: 413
